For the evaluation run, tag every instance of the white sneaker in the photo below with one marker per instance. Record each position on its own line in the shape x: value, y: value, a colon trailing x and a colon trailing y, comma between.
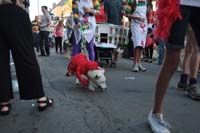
x: 135, y: 68
x: 141, y: 67
x: 157, y: 123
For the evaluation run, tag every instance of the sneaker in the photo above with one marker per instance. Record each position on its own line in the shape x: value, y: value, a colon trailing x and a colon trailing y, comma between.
x: 141, y: 68
x: 193, y: 92
x: 135, y: 68
x: 157, y: 123
x: 150, y: 61
x: 182, y: 86
x: 157, y: 63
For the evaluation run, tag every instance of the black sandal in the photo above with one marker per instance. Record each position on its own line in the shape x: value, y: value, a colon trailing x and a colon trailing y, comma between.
x: 48, y: 102
x: 8, y: 105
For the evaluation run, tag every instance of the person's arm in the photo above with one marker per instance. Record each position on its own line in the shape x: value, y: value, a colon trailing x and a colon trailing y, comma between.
x: 68, y: 23
x: 95, y: 10
x: 129, y: 9
x: 133, y: 17
x: 75, y: 13
x: 96, y: 5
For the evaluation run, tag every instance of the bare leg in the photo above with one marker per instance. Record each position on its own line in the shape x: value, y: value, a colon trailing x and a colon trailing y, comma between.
x: 194, y: 63
x: 137, y: 55
x: 167, y: 71
x: 140, y: 54
x: 187, y: 58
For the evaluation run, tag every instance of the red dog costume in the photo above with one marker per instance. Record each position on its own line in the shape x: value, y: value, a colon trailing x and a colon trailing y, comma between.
x: 168, y: 12
x: 80, y: 65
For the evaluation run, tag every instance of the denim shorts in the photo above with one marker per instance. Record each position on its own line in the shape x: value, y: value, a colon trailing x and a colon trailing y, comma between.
x: 191, y: 15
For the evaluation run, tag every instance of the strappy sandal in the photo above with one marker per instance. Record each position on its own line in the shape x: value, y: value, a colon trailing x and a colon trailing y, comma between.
x: 8, y: 105
x: 48, y: 102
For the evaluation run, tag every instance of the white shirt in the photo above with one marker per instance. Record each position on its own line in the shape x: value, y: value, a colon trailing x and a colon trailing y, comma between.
x: 45, y: 20
x: 195, y: 3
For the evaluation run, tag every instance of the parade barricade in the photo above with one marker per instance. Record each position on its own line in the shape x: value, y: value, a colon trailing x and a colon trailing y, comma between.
x: 108, y: 38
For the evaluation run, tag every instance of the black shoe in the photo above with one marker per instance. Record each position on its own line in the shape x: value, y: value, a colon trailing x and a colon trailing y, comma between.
x: 69, y: 74
x: 182, y: 86
x: 47, y: 54
x: 8, y: 105
x: 49, y: 102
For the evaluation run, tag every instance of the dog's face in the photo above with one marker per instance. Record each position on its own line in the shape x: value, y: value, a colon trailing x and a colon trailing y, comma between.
x: 98, y: 77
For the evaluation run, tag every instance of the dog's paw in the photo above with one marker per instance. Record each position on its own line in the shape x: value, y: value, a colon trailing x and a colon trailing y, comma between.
x: 77, y: 82
x: 91, y: 88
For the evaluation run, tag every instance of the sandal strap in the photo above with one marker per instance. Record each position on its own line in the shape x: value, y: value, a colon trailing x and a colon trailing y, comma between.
x: 5, y: 105
x: 46, y: 101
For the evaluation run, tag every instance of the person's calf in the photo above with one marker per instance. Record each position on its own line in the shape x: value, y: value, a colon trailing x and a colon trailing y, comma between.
x: 167, y: 71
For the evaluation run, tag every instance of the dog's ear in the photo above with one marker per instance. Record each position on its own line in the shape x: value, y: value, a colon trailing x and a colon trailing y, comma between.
x: 102, y: 69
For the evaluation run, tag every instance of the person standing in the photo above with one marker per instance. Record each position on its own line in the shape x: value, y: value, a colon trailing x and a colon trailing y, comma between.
x: 84, y: 12
x: 113, y: 11
x: 59, y: 36
x: 44, y: 31
x: 69, y: 27
x: 70, y: 36
x: 35, y: 29
x: 101, y: 17
x: 138, y: 16
x: 172, y: 26
x: 188, y: 78
x: 21, y: 48
x: 161, y: 51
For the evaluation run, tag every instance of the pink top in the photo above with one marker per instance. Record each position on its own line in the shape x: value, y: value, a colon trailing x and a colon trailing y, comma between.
x: 59, y: 31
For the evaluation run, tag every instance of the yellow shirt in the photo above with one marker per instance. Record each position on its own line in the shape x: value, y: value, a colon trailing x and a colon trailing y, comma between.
x: 35, y: 26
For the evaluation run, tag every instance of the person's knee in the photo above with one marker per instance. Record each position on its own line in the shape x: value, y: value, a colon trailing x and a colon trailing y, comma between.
x: 196, y: 50
x: 172, y: 58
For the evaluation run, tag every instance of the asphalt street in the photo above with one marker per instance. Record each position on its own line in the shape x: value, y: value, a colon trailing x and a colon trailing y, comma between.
x: 123, y: 108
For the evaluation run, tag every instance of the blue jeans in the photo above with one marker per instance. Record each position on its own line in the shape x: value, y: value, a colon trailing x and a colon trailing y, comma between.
x: 161, y: 51
x: 36, y: 41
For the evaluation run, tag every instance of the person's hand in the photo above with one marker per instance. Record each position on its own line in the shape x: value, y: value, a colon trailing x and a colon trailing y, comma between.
x: 128, y: 15
x: 42, y: 26
x: 123, y: 12
x: 87, y: 10
x: 78, y: 24
x: 141, y: 19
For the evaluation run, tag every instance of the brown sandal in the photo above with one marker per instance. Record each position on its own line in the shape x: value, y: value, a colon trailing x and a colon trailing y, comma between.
x: 49, y: 102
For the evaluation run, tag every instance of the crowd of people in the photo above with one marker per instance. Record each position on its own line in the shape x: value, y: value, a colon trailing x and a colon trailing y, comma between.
x: 164, y: 30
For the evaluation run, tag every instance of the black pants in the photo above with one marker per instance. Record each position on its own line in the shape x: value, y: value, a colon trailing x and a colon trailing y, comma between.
x: 58, y: 41
x: 44, y: 36
x: 16, y: 36
x: 177, y: 36
x: 149, y: 52
x: 36, y: 41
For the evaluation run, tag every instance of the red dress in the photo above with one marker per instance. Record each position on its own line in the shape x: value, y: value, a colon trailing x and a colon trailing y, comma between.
x: 101, y: 17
